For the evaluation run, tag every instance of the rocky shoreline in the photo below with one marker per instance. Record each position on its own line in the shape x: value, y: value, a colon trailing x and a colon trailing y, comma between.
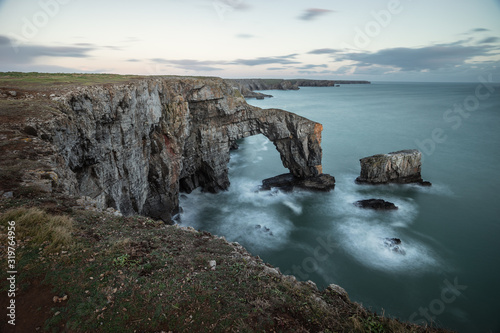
x: 134, y: 146
x: 248, y: 86
x: 98, y: 155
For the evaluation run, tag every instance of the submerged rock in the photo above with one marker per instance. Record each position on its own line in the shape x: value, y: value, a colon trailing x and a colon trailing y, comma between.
x: 394, y: 244
x: 377, y: 204
x: 288, y: 182
x: 401, y: 167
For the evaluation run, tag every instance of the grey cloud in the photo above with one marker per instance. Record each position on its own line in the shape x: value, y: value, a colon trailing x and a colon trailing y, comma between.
x: 323, y: 51
x: 276, y: 68
x: 310, y: 66
x: 313, y: 13
x: 316, y: 72
x: 18, y: 53
x: 4, y: 40
x: 417, y: 59
x: 191, y: 64
x: 245, y: 36
x: 372, y: 70
x: 283, y: 60
x: 489, y: 40
x: 479, y: 30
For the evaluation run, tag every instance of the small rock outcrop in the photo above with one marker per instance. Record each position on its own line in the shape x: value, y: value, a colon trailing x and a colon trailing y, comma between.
x: 401, y: 167
x: 377, y: 204
x: 394, y: 244
x: 288, y: 182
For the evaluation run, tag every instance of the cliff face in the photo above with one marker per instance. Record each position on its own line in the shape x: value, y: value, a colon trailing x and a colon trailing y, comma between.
x: 135, y: 146
x: 401, y: 167
x: 248, y: 86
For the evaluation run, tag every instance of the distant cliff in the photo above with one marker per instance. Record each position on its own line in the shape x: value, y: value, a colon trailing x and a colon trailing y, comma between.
x: 134, y: 146
x: 248, y: 86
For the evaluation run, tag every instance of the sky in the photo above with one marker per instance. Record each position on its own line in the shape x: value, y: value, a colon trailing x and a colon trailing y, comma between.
x: 386, y: 40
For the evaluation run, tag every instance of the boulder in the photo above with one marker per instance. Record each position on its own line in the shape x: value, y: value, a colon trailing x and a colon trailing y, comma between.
x: 401, y: 167
x: 288, y: 182
x: 377, y: 204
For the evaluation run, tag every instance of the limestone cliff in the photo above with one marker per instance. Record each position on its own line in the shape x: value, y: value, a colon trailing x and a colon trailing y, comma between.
x: 248, y: 86
x: 135, y: 146
x: 401, y: 167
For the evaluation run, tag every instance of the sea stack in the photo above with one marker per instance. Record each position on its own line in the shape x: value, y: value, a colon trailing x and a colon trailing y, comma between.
x: 401, y: 167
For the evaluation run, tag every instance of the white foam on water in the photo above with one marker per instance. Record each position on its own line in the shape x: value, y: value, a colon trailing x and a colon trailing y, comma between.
x: 256, y: 229
x: 364, y: 240
x: 243, y: 214
x: 361, y: 232
x: 294, y: 206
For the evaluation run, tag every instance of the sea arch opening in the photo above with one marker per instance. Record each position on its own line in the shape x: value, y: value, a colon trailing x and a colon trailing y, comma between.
x: 256, y: 158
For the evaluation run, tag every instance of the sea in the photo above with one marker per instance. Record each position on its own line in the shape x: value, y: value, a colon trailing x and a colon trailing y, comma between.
x: 449, y: 275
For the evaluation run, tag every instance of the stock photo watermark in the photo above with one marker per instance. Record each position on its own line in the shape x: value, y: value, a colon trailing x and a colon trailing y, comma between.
x: 31, y: 26
x: 225, y: 7
x: 324, y: 249
x: 455, y: 116
x: 11, y: 273
x: 363, y: 36
x: 449, y: 294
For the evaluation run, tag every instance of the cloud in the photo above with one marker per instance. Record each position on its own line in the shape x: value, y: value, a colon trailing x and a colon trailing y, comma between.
x: 310, y: 66
x: 213, y: 65
x: 12, y: 52
x: 308, y: 72
x: 417, y: 59
x: 4, y: 40
x: 479, y: 30
x: 489, y: 40
x: 245, y: 36
x: 323, y: 51
x: 283, y: 60
x: 313, y: 13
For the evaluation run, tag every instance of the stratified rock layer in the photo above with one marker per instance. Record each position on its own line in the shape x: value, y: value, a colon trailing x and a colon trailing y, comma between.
x: 400, y: 167
x: 135, y: 146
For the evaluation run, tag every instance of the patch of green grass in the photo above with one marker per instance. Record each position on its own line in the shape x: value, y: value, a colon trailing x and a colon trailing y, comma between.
x: 33, y: 79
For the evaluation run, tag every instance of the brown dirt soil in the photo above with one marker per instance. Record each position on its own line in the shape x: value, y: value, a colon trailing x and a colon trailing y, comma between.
x: 33, y: 308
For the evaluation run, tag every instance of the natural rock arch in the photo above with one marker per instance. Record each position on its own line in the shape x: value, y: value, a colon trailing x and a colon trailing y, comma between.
x: 136, y: 146
x: 297, y: 140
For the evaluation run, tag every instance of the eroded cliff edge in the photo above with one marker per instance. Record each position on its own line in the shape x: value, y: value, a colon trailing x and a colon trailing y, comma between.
x: 135, y: 146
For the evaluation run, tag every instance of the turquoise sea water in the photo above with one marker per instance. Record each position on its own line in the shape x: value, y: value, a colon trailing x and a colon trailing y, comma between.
x: 451, y: 231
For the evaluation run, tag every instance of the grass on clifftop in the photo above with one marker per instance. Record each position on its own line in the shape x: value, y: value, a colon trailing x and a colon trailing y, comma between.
x: 41, y: 81
x: 126, y: 274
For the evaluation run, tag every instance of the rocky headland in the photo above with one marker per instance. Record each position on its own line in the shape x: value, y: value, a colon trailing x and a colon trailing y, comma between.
x: 134, y: 146
x: 80, y: 151
x: 248, y: 86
